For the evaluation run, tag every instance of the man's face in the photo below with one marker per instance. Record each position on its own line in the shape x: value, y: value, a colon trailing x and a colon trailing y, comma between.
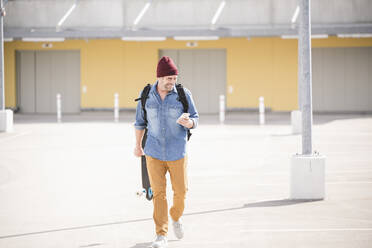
x: 167, y: 83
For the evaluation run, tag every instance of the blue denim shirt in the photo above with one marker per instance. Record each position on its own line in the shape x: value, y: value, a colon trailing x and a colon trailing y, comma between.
x: 166, y: 139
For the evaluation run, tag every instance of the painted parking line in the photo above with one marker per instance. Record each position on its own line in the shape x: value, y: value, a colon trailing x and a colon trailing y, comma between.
x: 342, y: 182
x: 348, y: 171
x: 308, y: 230
x: 351, y: 182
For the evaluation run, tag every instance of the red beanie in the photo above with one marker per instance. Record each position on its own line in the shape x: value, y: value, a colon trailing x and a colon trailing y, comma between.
x: 166, y: 67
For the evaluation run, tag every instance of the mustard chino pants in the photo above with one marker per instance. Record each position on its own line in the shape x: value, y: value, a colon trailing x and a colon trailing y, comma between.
x: 157, y: 170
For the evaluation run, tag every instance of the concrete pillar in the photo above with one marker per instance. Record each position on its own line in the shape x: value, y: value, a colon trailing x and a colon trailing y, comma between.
x: 305, y: 75
x: 307, y: 180
x: 2, y: 91
x: 6, y: 116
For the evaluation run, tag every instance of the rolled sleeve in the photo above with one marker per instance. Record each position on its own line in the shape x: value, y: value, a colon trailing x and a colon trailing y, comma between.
x: 194, y: 116
x: 195, y: 121
x: 140, y: 121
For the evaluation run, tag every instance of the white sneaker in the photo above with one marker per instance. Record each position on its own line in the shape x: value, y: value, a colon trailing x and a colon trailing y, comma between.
x: 160, y: 242
x: 178, y: 229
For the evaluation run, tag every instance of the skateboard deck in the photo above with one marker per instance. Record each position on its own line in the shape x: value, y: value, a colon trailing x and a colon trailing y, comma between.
x: 146, y: 186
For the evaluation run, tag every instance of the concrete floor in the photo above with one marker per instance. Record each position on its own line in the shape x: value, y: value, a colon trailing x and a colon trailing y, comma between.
x: 73, y: 184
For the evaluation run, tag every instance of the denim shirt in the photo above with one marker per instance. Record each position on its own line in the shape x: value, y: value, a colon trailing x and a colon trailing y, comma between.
x: 166, y: 139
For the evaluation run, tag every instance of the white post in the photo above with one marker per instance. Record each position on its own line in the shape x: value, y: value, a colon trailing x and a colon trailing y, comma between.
x: 262, y: 110
x: 6, y: 115
x: 296, y: 121
x: 59, y: 108
x: 222, y: 109
x: 6, y: 120
x: 116, y: 107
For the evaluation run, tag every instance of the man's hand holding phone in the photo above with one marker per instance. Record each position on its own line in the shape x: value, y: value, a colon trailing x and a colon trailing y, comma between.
x: 185, y: 120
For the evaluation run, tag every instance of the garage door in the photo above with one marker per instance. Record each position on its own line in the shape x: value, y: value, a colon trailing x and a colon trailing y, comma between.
x: 41, y: 75
x: 342, y: 79
x: 204, y: 73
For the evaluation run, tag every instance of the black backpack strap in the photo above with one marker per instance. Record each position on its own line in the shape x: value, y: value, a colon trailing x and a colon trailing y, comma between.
x: 143, y: 98
x: 182, y: 98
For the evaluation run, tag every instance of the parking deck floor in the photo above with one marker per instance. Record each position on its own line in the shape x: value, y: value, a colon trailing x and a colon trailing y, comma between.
x: 73, y: 184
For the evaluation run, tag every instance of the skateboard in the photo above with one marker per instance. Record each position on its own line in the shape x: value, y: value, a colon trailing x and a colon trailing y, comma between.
x: 146, y: 187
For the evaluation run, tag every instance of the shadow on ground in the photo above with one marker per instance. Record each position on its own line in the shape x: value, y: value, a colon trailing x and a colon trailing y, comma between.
x: 273, y: 203
x: 146, y: 245
x: 141, y: 245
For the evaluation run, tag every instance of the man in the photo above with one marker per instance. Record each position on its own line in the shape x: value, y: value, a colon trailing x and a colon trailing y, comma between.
x: 165, y: 147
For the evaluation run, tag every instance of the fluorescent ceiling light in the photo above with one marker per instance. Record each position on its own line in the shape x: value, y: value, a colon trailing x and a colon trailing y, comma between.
x: 218, y: 12
x: 354, y: 35
x: 43, y: 39
x: 144, y: 38
x: 364, y: 35
x: 313, y: 36
x: 289, y: 36
x: 140, y: 15
x: 295, y: 15
x: 66, y: 15
x: 196, y: 37
x: 319, y: 36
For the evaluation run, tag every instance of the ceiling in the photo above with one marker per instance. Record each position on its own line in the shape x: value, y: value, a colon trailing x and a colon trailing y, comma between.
x: 238, y: 18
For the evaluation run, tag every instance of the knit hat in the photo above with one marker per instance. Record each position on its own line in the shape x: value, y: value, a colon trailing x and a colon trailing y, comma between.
x: 166, y: 67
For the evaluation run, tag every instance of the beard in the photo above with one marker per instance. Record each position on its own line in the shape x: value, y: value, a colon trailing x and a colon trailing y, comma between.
x: 168, y: 87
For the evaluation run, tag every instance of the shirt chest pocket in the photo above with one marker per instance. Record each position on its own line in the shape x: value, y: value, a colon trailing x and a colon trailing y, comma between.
x: 175, y: 110
x: 152, y: 110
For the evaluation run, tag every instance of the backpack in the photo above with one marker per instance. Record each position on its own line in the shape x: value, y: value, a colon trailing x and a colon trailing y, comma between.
x: 181, y: 97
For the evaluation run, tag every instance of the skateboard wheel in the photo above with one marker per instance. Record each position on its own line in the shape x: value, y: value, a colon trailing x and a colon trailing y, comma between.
x: 149, y: 194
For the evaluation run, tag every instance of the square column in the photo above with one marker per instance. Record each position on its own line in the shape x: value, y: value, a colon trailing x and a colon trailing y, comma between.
x: 6, y: 120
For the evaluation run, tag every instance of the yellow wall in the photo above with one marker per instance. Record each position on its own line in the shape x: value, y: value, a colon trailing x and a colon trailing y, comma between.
x: 256, y: 67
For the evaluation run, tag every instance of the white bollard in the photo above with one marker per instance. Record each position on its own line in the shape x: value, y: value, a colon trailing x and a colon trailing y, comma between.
x: 59, y: 108
x: 116, y: 107
x: 222, y: 109
x: 6, y: 120
x: 296, y: 120
x: 261, y: 110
